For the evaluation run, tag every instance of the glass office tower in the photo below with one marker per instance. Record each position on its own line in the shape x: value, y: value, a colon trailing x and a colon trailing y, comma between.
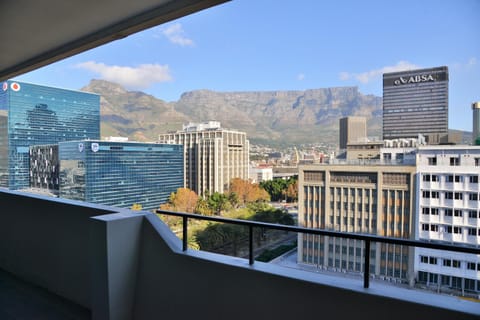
x: 120, y: 173
x: 38, y: 115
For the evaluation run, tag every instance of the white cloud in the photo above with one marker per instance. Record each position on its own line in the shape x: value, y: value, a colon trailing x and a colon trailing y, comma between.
x: 368, y: 76
x: 301, y: 76
x: 344, y: 76
x: 472, y: 62
x: 176, y: 35
x: 140, y: 77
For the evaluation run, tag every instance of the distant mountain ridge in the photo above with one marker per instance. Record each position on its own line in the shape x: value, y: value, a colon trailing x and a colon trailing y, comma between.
x: 270, y: 117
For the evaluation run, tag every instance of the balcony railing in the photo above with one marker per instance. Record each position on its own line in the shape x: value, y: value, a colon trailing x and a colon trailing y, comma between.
x: 366, y: 238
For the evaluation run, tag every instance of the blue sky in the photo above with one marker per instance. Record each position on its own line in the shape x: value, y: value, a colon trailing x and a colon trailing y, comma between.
x: 260, y: 45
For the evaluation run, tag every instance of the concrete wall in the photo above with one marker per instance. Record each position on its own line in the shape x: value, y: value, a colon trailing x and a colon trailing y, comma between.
x: 129, y: 265
x: 47, y: 243
x: 199, y: 285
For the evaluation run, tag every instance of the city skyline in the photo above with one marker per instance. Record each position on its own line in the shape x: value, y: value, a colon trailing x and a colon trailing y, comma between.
x: 249, y: 46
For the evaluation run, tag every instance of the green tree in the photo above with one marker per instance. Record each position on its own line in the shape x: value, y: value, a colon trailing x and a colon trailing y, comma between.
x: 218, y: 202
x: 203, y: 207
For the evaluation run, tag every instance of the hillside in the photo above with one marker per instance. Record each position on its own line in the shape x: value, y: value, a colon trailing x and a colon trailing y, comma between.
x: 272, y: 117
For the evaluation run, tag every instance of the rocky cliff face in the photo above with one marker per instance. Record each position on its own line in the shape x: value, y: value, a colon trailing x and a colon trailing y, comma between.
x: 291, y: 117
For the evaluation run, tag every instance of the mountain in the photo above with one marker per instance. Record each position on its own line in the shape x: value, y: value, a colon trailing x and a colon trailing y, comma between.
x: 270, y: 117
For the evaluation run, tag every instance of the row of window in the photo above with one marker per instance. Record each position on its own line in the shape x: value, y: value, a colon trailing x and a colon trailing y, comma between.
x: 426, y: 194
x: 452, y: 263
x: 449, y: 229
x: 454, y: 161
x: 448, y: 212
x: 449, y: 178
x: 450, y: 281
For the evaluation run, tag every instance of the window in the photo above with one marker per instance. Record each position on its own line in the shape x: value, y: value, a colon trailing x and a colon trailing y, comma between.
x: 477, y: 162
x: 425, y: 227
x: 435, y: 195
x: 434, y: 227
x: 425, y: 210
x: 473, y: 196
x: 434, y: 178
x: 432, y: 161
x: 423, y: 259
x: 447, y: 262
x: 458, y: 179
x: 426, y: 194
x: 450, y: 178
x: 456, y: 263
x: 448, y: 195
x: 448, y: 212
x: 445, y: 280
x: 426, y: 178
x: 458, y: 196
x: 432, y: 260
x: 472, y: 231
x: 434, y: 211
x: 454, y: 161
x: 472, y: 214
x: 457, y: 213
x: 457, y: 230
x: 449, y: 229
x: 473, y: 179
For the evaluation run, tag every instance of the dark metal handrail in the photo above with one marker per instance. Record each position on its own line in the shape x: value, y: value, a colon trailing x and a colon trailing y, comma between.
x: 364, y: 237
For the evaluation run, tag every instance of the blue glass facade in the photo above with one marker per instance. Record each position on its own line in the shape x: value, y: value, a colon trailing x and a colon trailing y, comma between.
x: 120, y: 173
x: 40, y: 115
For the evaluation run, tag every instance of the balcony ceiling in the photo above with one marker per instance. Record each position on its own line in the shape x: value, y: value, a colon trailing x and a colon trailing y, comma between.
x: 35, y: 33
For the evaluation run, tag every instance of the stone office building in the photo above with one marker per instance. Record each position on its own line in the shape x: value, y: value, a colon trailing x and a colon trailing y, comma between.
x: 370, y: 199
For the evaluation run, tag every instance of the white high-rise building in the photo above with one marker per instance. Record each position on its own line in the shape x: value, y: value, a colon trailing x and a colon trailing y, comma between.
x: 448, y: 207
x: 213, y: 155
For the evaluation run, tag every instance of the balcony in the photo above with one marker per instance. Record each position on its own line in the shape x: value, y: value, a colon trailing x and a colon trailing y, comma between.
x: 66, y: 259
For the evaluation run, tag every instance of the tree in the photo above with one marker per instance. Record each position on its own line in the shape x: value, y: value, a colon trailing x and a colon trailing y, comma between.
x: 292, y: 191
x: 136, y: 207
x: 203, y: 208
x: 218, y: 202
x: 274, y: 188
x: 247, y: 191
x: 184, y: 200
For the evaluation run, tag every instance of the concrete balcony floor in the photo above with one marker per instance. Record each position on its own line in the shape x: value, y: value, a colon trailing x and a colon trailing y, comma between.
x: 22, y: 300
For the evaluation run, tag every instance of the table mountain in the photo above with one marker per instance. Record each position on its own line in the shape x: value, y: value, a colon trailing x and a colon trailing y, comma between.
x: 271, y: 117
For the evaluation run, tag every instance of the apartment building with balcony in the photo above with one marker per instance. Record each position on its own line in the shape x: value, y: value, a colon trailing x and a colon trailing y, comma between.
x: 448, y: 209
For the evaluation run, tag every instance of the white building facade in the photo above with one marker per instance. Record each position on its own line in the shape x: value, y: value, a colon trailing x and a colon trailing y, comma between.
x: 213, y: 156
x: 448, y: 209
x: 258, y: 174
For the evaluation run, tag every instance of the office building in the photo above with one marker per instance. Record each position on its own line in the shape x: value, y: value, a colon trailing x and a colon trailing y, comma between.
x: 119, y: 174
x: 415, y: 102
x: 476, y: 122
x: 213, y: 155
x: 448, y: 209
x: 375, y: 199
x: 261, y: 173
x: 352, y: 130
x: 44, y: 168
x: 40, y: 115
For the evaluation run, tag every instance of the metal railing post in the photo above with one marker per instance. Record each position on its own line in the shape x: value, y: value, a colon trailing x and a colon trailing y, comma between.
x: 366, y: 271
x: 185, y: 233
x: 250, y: 244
